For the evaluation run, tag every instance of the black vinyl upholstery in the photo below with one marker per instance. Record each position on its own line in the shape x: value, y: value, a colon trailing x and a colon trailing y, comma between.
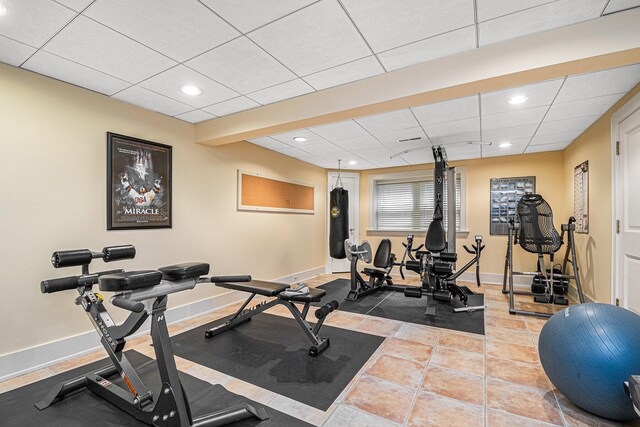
x: 186, y: 270
x: 537, y: 233
x: 383, y: 254
x: 435, y: 240
x: 314, y: 295
x: 129, y: 280
x: 268, y: 289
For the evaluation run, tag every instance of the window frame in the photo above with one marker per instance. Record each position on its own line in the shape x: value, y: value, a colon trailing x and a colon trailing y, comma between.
x: 412, y: 176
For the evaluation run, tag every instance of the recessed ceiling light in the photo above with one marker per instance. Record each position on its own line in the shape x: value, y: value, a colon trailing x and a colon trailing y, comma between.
x: 353, y: 162
x: 299, y: 138
x: 518, y: 99
x: 3, y: 10
x: 505, y: 144
x: 191, y: 90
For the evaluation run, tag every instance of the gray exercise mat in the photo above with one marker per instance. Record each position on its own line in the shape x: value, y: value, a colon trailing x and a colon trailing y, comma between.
x: 272, y: 352
x: 394, y: 305
x: 84, y: 408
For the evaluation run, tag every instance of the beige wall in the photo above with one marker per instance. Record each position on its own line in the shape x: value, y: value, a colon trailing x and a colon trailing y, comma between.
x: 53, y: 174
x: 549, y: 171
x: 594, y: 248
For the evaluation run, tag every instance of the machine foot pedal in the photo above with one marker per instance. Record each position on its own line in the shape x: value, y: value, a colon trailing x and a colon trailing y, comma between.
x: 413, y: 292
x: 560, y: 300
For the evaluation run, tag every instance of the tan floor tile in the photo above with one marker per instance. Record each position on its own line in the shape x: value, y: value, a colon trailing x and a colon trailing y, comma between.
x: 433, y: 410
x: 25, y: 379
x: 503, y: 419
x: 576, y: 417
x: 418, y: 333
x: 456, y: 385
x: 249, y: 390
x: 344, y: 320
x: 345, y: 415
x: 501, y: 311
x: 461, y: 341
x: 519, y: 353
x: 400, y: 371
x: 524, y: 401
x: 76, y: 362
x: 379, y: 326
x: 296, y: 409
x: 517, y: 372
x: 505, y: 323
x: 209, y: 375
x: 381, y: 398
x: 408, y: 349
x: 183, y: 364
x: 459, y: 360
x: 535, y: 324
x: 514, y: 336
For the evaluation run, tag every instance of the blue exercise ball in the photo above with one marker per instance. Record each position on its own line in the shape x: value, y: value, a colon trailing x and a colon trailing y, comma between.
x: 588, y: 351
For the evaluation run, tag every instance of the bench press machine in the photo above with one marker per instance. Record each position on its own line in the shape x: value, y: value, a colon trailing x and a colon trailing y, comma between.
x: 144, y: 294
x: 277, y: 291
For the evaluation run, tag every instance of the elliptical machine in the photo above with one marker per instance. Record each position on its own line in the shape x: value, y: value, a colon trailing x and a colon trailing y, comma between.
x: 436, y: 265
x: 144, y: 294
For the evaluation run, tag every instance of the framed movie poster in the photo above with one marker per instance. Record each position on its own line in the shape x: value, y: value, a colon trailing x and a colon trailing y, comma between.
x: 138, y: 183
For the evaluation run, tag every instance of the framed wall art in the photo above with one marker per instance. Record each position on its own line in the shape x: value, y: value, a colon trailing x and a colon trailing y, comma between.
x: 581, y: 197
x: 505, y: 194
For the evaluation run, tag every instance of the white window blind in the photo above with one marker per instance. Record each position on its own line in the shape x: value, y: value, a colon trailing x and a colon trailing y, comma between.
x: 402, y: 205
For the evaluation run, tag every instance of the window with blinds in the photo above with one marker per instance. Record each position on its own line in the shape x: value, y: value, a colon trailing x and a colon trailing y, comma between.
x: 409, y: 205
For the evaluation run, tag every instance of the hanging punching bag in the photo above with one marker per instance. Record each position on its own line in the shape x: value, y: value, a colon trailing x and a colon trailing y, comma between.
x: 339, y: 222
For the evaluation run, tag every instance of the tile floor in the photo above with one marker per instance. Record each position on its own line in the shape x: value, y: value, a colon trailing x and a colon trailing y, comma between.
x: 420, y: 375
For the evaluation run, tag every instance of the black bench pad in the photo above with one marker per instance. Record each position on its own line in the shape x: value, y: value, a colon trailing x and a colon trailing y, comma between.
x: 129, y: 280
x: 314, y: 295
x: 268, y: 289
x: 186, y: 270
x: 374, y: 272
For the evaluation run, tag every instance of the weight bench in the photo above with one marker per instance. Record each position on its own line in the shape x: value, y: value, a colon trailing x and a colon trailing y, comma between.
x: 275, y: 290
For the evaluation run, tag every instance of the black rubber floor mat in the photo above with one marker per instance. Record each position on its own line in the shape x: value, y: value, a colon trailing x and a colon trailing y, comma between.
x: 84, y: 408
x: 394, y: 305
x: 272, y: 352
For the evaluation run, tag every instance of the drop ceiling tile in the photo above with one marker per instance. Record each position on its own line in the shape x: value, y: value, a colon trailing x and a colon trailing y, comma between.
x: 542, y: 18
x: 13, y: 52
x: 440, y: 130
x: 341, y: 130
x: 606, y: 82
x: 390, y: 138
x: 170, y: 82
x: 320, y: 148
x: 457, y: 138
x: 231, y: 106
x: 514, y: 118
x: 292, y: 152
x: 461, y: 151
x: 70, y: 72
x: 77, y: 5
x: 287, y: 138
x: 361, y: 164
x: 195, y: 116
x: 359, y: 142
x: 178, y: 32
x: 618, y: 5
x: 269, y: 143
x: 582, y: 107
x: 490, y: 9
x: 389, y: 163
x: 385, y: 24
x: 428, y: 49
x: 418, y: 157
x: 355, y: 70
x: 581, y: 123
x: 508, y: 134
x: 152, y: 101
x: 401, y: 119
x: 553, y: 138
x: 313, y: 39
x: 247, y: 15
x: 547, y: 147
x: 518, y: 146
x: 86, y: 42
x: 373, y: 153
x: 282, y: 91
x: 446, y: 111
x: 316, y: 161
x: 334, y: 156
x: 538, y: 94
x: 33, y: 22
x: 241, y: 66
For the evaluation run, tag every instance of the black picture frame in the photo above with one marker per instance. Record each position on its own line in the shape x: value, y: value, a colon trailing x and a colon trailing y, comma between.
x: 139, y: 179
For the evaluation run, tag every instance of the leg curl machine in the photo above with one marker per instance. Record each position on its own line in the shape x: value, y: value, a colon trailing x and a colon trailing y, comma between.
x: 144, y: 294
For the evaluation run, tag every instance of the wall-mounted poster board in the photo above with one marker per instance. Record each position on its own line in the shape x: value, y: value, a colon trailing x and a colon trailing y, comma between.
x: 257, y: 192
x: 581, y: 197
x: 505, y: 195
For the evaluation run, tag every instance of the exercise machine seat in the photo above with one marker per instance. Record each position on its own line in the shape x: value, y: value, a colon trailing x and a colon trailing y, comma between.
x: 186, y: 270
x: 436, y: 237
x: 374, y: 272
x: 383, y: 254
x: 537, y: 233
x: 268, y: 289
x: 129, y: 280
x: 314, y: 295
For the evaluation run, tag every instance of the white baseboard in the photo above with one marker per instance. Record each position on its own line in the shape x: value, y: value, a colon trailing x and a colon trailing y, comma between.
x: 31, y: 359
